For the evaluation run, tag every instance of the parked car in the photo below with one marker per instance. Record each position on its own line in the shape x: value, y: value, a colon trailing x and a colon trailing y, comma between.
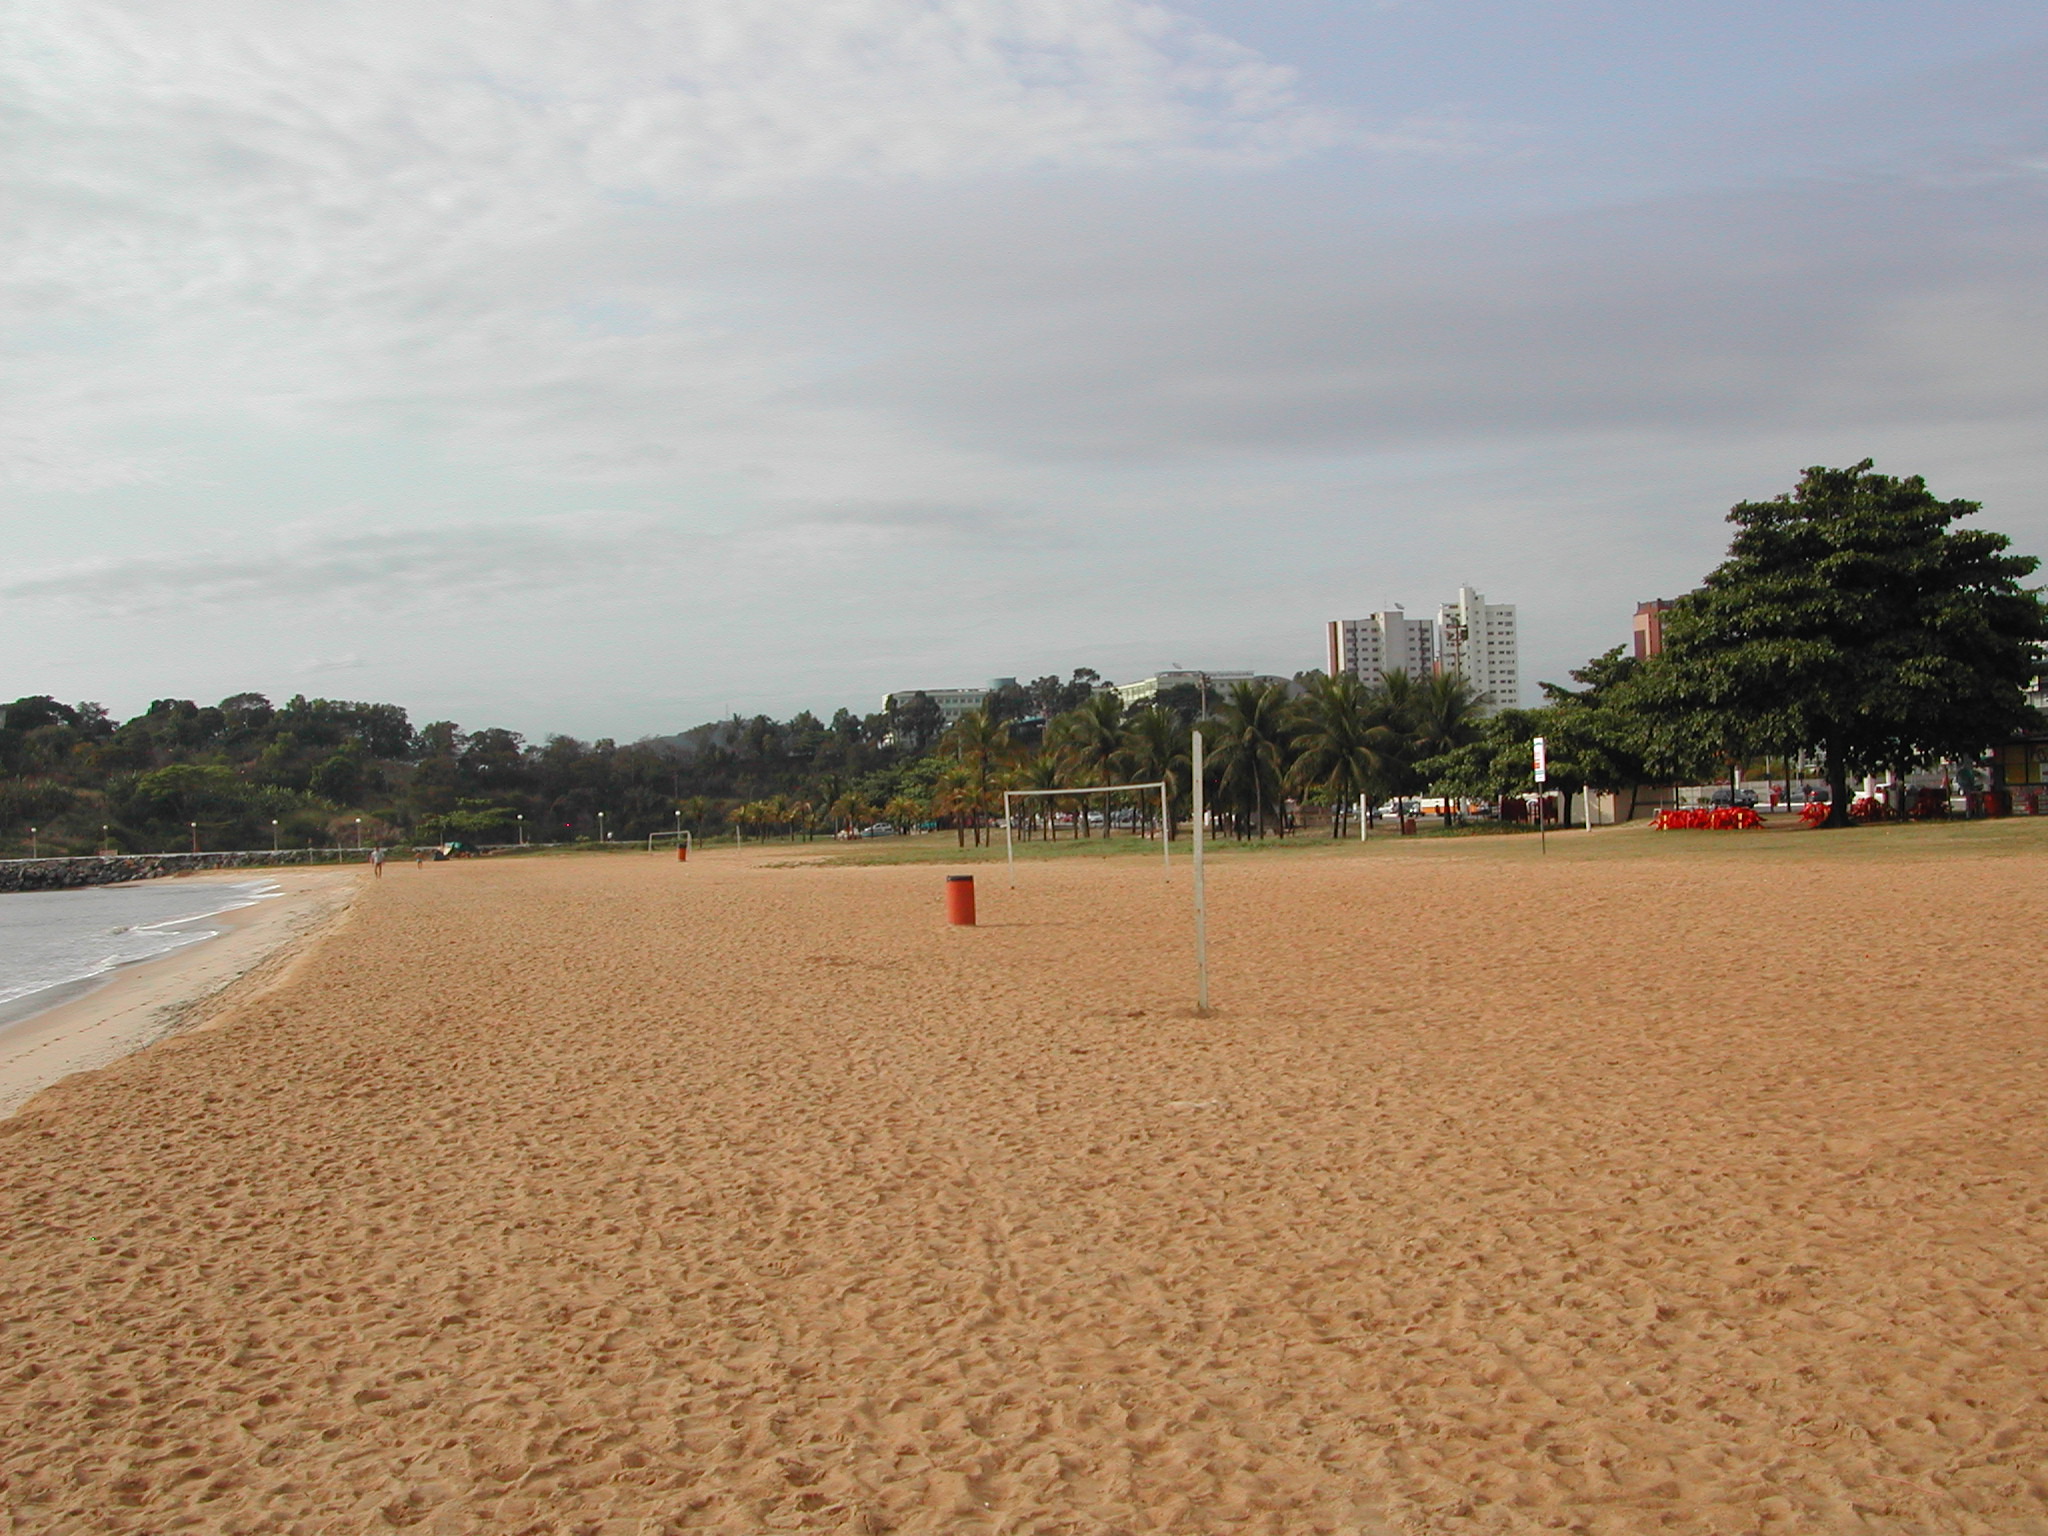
x: 1725, y: 796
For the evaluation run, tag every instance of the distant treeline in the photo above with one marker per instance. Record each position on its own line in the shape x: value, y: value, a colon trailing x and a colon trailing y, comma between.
x: 322, y: 772
x: 1852, y: 623
x: 245, y: 773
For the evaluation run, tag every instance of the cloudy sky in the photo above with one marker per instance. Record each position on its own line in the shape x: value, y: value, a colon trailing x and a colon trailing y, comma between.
x: 608, y: 366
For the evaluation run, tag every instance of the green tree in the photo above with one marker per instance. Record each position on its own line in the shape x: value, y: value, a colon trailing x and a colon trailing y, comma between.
x: 1044, y: 771
x: 1442, y: 713
x: 1345, y: 751
x: 1092, y: 736
x: 1156, y: 749
x: 980, y: 743
x: 1251, y: 753
x: 1498, y: 760
x: 1854, y: 618
x: 916, y: 721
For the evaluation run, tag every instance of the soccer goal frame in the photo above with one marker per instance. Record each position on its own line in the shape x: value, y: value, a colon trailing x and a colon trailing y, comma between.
x: 1165, y: 826
x: 655, y: 839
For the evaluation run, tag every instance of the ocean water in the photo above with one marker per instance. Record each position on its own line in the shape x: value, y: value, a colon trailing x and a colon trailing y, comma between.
x: 52, y: 942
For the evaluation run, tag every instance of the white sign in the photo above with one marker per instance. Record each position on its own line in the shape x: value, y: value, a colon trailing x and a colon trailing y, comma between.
x: 1542, y: 763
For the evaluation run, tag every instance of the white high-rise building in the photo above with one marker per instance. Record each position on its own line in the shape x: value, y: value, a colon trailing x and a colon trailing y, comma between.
x: 1477, y: 638
x: 1386, y: 642
x: 1469, y: 636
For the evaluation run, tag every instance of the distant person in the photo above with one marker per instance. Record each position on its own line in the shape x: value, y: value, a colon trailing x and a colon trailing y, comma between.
x: 419, y: 858
x: 377, y: 862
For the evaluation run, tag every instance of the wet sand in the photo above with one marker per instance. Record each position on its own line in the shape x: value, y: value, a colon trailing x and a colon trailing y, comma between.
x: 94, y: 1023
x: 1607, y: 1193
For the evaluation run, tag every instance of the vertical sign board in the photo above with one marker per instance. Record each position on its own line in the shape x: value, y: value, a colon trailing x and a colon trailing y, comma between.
x: 1542, y: 776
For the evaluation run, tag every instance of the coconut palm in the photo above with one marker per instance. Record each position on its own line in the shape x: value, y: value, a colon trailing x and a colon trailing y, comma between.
x: 1443, y: 715
x: 953, y: 795
x: 850, y: 811
x: 981, y: 744
x: 1092, y: 736
x: 1347, y: 749
x: 1251, y: 752
x: 1156, y: 747
x: 1044, y: 771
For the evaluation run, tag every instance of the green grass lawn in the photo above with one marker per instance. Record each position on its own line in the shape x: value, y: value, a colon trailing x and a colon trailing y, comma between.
x: 1781, y: 837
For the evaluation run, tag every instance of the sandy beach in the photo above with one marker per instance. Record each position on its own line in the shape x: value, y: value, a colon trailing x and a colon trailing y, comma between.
x: 1647, y: 1185
x: 99, y: 1022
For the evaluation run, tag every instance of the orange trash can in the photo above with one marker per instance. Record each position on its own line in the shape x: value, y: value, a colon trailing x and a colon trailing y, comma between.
x: 960, y: 900
x: 682, y: 853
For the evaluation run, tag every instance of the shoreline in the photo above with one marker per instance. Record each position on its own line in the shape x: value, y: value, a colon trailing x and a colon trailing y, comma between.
x: 94, y: 1022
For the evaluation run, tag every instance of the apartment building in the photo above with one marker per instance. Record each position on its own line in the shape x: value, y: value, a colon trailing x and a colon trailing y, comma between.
x: 1146, y: 689
x: 1649, y: 627
x: 953, y: 702
x: 1386, y: 642
x: 1469, y: 635
x: 1477, y: 638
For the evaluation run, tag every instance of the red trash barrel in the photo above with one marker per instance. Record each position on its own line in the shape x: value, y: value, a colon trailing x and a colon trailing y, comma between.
x: 960, y: 900
x: 682, y: 853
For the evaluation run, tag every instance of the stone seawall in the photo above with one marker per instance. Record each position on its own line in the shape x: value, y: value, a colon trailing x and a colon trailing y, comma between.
x: 119, y: 868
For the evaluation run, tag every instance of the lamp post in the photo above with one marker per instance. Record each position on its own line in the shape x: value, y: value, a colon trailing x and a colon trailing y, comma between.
x: 522, y: 829
x: 35, y: 849
x: 106, y: 843
x: 273, y: 835
x: 195, y: 836
x: 600, y: 828
x: 359, y: 834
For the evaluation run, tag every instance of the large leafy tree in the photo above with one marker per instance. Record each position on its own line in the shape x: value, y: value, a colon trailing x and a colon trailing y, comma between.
x: 1852, y: 616
x: 1497, y: 760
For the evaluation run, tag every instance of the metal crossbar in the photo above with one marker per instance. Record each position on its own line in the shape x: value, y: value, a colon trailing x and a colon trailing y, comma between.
x: 1009, y: 842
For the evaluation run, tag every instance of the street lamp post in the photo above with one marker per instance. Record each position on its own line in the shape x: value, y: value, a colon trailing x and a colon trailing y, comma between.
x: 359, y: 834
x: 35, y: 849
x: 106, y: 843
x: 600, y: 828
x: 522, y: 829
x: 195, y: 836
x: 273, y: 835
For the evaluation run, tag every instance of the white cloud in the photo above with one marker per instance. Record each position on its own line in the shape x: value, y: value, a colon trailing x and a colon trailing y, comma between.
x: 381, y: 216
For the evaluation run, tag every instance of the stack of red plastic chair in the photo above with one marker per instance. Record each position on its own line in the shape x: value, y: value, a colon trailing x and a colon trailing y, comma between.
x: 1719, y: 818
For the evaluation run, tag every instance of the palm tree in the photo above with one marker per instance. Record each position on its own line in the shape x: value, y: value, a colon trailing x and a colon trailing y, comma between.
x: 903, y: 813
x: 953, y: 795
x: 1346, y: 749
x: 981, y: 744
x: 1443, y: 715
x: 1156, y: 747
x: 1251, y: 751
x: 851, y: 810
x: 1092, y: 735
x: 1044, y: 771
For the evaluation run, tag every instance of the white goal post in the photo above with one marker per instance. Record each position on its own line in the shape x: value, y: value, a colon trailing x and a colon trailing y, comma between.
x: 656, y: 839
x: 1009, y: 842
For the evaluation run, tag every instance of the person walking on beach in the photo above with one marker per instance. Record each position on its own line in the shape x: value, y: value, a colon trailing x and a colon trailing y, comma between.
x: 377, y: 862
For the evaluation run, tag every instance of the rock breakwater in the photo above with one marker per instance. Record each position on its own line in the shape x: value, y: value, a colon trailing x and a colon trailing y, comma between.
x: 120, y: 868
